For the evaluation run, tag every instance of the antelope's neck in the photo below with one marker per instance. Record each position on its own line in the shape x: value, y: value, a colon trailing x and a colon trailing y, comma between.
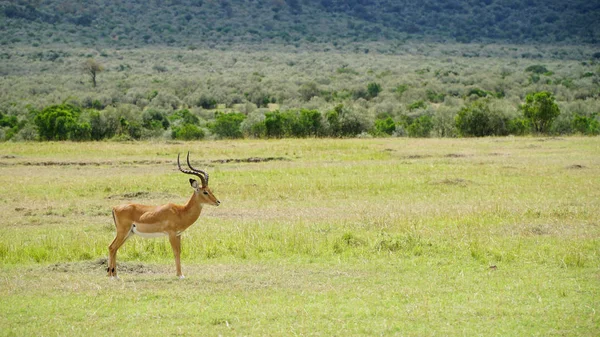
x: 193, y: 208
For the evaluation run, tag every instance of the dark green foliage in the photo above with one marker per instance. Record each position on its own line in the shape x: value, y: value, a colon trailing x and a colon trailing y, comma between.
x: 10, y: 125
x: 311, y: 123
x: 537, y: 69
x: 102, y: 125
x: 541, y: 110
x: 227, y: 125
x: 292, y: 21
x: 435, y: 97
x: 373, y: 89
x: 385, y: 126
x: 274, y: 124
x: 586, y: 125
x: 345, y: 123
x: 185, y: 116
x: 60, y: 122
x: 519, y: 126
x: 206, y: 102
x: 477, y: 120
x: 292, y: 124
x: 420, y: 127
x: 477, y: 92
x: 155, y: 120
x: 187, y: 132
x: 129, y: 129
x: 417, y: 105
x: 7, y: 121
x: 401, y: 89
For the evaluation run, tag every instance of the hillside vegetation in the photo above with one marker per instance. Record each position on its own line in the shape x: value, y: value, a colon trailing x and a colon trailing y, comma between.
x: 196, y: 23
x: 427, y: 90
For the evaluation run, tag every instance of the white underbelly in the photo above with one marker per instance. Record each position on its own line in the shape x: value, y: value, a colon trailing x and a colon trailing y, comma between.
x: 134, y: 230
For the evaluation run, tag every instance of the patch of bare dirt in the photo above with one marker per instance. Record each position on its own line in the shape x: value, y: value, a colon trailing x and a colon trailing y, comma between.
x: 575, y: 167
x: 249, y: 160
x: 456, y: 155
x: 100, y: 265
x: 453, y: 182
x: 415, y: 156
x: 550, y: 139
x: 140, y: 195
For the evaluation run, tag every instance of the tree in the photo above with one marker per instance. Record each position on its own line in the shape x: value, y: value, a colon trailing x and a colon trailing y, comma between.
x: 373, y: 89
x: 91, y: 67
x: 478, y: 120
x: 541, y: 110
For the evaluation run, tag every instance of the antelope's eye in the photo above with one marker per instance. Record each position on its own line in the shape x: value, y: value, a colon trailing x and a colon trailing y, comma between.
x: 205, y: 193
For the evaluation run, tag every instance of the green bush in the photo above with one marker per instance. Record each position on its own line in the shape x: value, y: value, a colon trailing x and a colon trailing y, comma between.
x: 373, y: 89
x: 185, y: 116
x: 385, y: 126
x: 420, y: 127
x: 187, y: 132
x: 254, y: 125
x: 311, y: 123
x: 541, y: 110
x: 60, y: 122
x: 435, y: 97
x: 478, y: 120
x: 129, y: 128
x: 536, y: 69
x: 156, y: 120
x: 227, y: 125
x: 519, y: 126
x: 417, y: 105
x: 103, y: 125
x: 10, y: 126
x: 585, y: 125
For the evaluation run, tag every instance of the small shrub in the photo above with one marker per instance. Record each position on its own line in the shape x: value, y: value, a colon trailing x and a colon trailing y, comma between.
x: 185, y: 116
x: 385, y: 126
x: 478, y: 120
x: 435, y: 97
x: 373, y: 89
x: 420, y: 127
x: 417, y: 105
x: 519, y: 126
x: 536, y: 69
x: 228, y: 125
x: 187, y: 132
x: 155, y: 120
x: 586, y: 125
x: 401, y: 89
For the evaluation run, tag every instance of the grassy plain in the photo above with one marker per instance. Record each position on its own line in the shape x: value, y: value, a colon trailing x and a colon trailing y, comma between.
x: 413, y: 237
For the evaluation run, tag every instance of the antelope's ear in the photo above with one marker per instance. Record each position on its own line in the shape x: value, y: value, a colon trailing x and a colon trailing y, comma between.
x: 194, y: 183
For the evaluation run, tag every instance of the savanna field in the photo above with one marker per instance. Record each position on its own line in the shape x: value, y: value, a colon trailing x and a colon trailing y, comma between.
x: 394, y: 236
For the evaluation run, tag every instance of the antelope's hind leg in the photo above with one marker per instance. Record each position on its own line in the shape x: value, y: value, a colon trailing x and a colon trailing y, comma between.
x: 112, y: 252
x: 123, y: 233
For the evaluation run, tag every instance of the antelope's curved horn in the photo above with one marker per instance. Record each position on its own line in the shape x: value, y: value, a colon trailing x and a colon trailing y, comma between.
x: 197, y: 174
x: 196, y: 170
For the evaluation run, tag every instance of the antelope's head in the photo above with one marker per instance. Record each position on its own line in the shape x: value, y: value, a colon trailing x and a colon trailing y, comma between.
x: 203, y: 193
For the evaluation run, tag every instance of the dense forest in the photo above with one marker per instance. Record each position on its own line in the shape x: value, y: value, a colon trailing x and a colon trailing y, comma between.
x: 194, y: 69
x: 195, y: 23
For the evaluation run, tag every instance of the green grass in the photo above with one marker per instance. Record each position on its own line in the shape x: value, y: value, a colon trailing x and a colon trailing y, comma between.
x: 493, y: 236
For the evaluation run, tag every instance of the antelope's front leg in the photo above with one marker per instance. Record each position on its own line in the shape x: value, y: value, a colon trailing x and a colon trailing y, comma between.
x: 175, y: 241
